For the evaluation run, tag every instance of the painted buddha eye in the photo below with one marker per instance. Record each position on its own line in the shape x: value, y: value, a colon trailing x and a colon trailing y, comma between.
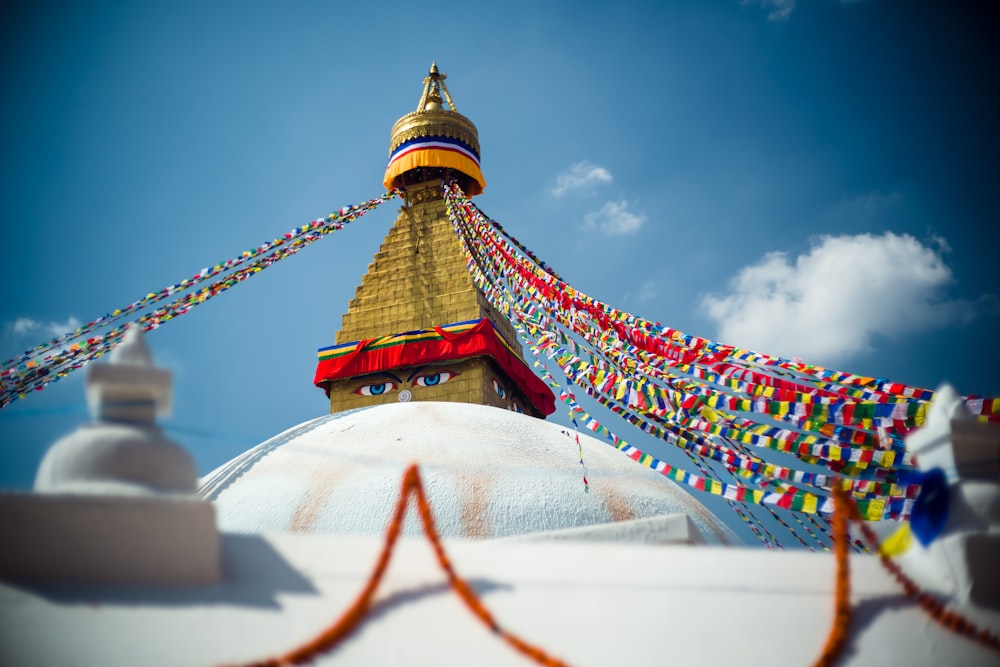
x: 501, y: 392
x: 516, y: 408
x: 433, y: 379
x: 376, y: 388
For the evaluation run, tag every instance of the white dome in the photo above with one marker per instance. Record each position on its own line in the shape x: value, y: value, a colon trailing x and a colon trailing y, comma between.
x: 487, y: 472
x: 105, y: 457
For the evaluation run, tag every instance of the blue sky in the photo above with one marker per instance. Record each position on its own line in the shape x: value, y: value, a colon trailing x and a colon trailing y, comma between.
x: 815, y: 179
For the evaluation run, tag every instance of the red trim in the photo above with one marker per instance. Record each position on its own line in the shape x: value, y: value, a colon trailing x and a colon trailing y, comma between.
x: 479, y: 341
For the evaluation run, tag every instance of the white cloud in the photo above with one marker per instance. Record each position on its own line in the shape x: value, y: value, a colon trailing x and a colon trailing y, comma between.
x: 25, y: 326
x: 942, y: 243
x: 829, y: 304
x: 580, y: 175
x: 614, y: 219
x: 779, y: 10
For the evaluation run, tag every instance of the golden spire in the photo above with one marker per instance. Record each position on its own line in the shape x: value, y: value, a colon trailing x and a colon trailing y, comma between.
x: 418, y: 284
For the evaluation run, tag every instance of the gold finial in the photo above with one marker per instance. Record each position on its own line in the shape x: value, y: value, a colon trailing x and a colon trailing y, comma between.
x: 433, y: 102
x: 434, y: 91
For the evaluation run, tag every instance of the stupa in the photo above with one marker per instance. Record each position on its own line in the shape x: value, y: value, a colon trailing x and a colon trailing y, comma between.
x: 418, y: 371
x: 417, y: 328
x: 112, y: 561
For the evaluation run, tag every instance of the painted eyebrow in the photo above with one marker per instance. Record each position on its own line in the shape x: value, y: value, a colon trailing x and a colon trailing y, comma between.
x: 375, y: 376
x: 414, y: 373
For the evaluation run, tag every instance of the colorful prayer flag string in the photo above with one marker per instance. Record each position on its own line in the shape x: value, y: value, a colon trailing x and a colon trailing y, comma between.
x: 48, y: 362
x: 705, y: 397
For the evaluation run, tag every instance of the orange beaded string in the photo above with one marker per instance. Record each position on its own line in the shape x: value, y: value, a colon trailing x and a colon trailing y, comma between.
x: 844, y: 511
x: 934, y: 608
x: 842, y: 587
x: 352, y: 618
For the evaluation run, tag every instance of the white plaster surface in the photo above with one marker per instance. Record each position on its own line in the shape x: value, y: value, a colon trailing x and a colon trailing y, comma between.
x: 488, y: 472
x: 665, y: 529
x: 588, y: 604
x: 116, y: 458
x: 108, y: 539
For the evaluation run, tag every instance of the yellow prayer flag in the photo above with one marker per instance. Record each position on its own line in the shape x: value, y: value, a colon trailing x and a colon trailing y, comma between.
x: 899, y: 542
x: 809, y: 504
x: 876, y: 509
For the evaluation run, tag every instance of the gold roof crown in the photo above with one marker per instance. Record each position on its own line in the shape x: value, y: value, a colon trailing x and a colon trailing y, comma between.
x: 432, y: 118
x: 434, y: 142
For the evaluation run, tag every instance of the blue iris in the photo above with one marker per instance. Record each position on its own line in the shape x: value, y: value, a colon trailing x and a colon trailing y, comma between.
x: 377, y: 389
x: 431, y: 380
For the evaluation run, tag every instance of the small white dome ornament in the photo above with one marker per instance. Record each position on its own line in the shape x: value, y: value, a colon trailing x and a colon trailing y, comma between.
x: 957, y: 525
x: 122, y: 450
x: 115, y: 501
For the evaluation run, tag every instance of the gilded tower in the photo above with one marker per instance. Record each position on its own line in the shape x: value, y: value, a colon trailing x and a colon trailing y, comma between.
x: 418, y: 328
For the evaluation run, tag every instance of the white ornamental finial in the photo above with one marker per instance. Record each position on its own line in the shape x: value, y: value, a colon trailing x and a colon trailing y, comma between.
x: 123, y: 450
x: 129, y: 388
x: 132, y: 351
